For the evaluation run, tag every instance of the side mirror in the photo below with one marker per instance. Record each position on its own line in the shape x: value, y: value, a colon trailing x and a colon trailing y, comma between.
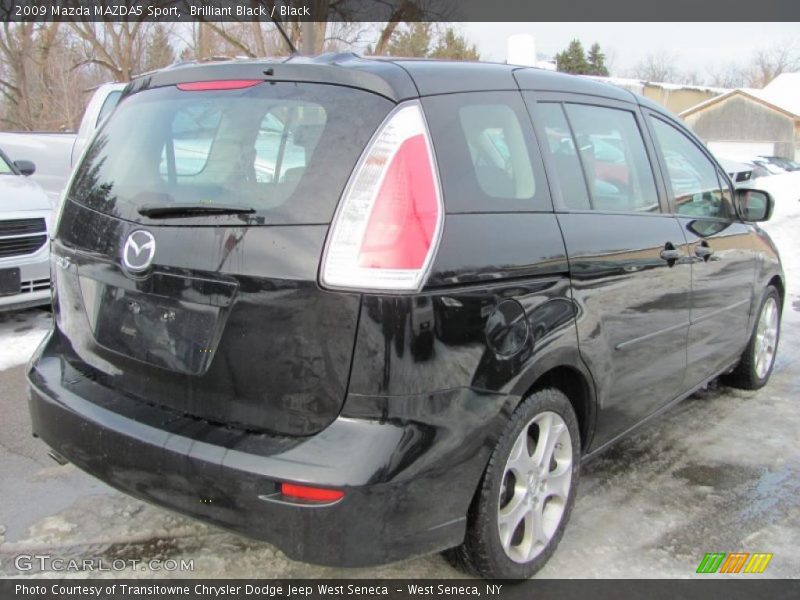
x: 753, y: 205
x: 26, y: 167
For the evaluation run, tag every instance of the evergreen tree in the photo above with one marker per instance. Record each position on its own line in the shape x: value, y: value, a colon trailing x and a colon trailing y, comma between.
x: 597, y: 61
x: 455, y: 47
x: 424, y: 41
x: 158, y: 52
x: 573, y: 59
x: 413, y: 41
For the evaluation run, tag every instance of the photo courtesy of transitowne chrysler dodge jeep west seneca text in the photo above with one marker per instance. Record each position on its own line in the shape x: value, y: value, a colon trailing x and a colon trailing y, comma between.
x: 366, y: 309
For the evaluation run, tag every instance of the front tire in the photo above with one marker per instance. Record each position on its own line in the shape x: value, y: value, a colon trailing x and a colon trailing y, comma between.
x: 758, y: 358
x: 527, y: 492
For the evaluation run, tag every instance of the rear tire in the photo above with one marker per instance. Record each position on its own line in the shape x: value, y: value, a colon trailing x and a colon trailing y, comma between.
x: 526, y: 494
x: 758, y: 358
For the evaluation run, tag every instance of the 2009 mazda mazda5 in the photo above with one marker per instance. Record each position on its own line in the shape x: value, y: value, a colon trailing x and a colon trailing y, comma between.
x: 365, y: 309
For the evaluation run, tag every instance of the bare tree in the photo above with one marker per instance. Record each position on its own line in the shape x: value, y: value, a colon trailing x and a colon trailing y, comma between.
x: 728, y: 76
x: 26, y: 49
x: 768, y: 63
x: 120, y: 48
x: 657, y: 66
x: 257, y: 39
x: 39, y: 88
x: 117, y: 47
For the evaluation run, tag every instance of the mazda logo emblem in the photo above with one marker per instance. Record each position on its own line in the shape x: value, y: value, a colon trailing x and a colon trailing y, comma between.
x: 139, y: 250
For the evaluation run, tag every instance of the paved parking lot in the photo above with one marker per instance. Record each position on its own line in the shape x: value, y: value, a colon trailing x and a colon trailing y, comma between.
x: 719, y: 473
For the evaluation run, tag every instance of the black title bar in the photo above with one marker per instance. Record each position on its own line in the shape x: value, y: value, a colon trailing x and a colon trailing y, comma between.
x: 732, y: 588
x: 400, y: 10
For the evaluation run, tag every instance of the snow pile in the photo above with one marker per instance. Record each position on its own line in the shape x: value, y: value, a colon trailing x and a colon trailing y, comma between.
x: 784, y: 91
x: 784, y: 229
x: 21, y: 333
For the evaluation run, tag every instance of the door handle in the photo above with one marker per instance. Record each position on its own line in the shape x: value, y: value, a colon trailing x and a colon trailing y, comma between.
x: 670, y: 253
x: 703, y: 250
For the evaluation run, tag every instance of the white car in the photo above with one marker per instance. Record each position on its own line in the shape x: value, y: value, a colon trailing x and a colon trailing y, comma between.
x: 56, y: 153
x: 25, y: 217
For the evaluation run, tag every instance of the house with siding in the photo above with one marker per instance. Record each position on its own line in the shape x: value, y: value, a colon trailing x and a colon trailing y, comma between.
x: 747, y: 122
x: 675, y: 97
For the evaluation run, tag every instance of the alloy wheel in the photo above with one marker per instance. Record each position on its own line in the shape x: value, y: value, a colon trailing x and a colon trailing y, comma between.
x: 535, y: 487
x: 766, y: 337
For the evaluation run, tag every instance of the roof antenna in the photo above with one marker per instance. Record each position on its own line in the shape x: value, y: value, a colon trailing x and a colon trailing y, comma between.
x: 289, y: 43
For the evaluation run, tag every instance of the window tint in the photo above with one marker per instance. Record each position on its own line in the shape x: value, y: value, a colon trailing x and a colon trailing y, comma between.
x: 185, y: 152
x: 5, y: 168
x: 614, y: 159
x: 285, y: 149
x: 486, y: 152
x: 109, y: 104
x: 285, y: 138
x: 694, y: 179
x: 497, y: 150
x: 568, y: 167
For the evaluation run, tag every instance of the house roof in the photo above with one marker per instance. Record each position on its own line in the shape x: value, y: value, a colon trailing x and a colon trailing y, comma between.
x: 629, y: 83
x: 784, y: 91
x: 781, y: 95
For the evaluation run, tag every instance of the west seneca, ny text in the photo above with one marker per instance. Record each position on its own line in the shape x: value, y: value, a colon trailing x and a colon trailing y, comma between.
x: 165, y: 590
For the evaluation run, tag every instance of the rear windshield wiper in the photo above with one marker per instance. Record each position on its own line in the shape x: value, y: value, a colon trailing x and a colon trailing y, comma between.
x: 191, y: 210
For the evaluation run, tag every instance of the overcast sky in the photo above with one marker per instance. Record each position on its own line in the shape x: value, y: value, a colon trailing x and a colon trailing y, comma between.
x: 697, y: 46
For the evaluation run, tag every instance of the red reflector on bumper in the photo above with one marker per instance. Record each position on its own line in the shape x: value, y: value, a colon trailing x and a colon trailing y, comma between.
x: 312, y: 494
x: 229, y: 84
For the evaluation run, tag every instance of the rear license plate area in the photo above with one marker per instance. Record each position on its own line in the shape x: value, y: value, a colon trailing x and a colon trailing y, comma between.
x: 174, y: 335
x: 9, y: 282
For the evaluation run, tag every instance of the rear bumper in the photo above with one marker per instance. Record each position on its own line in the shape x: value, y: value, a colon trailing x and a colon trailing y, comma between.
x: 408, y: 483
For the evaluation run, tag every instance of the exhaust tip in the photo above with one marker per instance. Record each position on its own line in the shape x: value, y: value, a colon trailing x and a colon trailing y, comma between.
x: 57, y: 457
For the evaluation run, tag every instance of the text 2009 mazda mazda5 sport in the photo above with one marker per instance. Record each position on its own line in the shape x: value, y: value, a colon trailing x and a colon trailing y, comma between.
x: 365, y: 309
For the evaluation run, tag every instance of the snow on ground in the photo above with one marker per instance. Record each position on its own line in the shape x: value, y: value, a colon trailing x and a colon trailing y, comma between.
x: 20, y: 333
x: 784, y: 229
x: 718, y: 473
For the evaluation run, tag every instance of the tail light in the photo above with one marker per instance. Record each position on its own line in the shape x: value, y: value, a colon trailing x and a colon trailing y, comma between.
x: 310, y: 494
x: 219, y: 84
x: 389, y: 220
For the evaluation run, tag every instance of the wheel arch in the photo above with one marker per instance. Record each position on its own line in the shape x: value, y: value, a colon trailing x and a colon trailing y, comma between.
x: 777, y: 282
x: 572, y: 383
x: 565, y: 371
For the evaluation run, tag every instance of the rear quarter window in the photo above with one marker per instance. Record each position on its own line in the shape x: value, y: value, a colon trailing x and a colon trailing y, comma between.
x: 486, y: 153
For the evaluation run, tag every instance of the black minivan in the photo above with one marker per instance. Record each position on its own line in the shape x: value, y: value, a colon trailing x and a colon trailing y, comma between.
x: 366, y: 309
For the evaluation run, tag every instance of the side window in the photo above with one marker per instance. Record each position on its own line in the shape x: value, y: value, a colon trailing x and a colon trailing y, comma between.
x: 726, y: 189
x: 565, y: 156
x: 109, y: 105
x: 497, y: 150
x: 614, y: 159
x: 487, y: 154
x: 695, y: 183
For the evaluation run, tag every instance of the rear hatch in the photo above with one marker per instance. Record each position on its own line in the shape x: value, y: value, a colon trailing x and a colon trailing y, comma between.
x: 189, y: 244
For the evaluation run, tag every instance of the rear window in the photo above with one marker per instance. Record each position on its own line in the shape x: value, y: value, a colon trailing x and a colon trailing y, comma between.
x: 284, y: 149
